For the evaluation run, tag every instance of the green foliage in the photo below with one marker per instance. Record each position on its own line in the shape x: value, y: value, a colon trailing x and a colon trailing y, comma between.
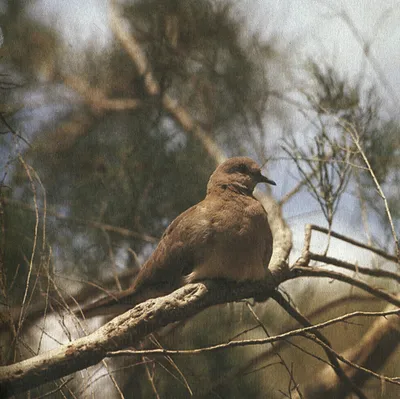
x: 331, y: 93
x: 122, y: 176
x: 350, y: 104
x: 137, y: 169
x: 200, y: 54
x: 340, y: 109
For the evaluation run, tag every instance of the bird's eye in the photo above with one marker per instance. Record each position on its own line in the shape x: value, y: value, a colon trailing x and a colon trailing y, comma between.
x: 242, y: 168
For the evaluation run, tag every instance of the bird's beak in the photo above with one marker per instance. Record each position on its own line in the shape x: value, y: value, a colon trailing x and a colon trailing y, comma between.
x: 264, y: 179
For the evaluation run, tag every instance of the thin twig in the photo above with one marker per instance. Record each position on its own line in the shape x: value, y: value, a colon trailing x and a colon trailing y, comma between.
x: 363, y: 208
x: 296, y: 188
x: 113, y: 261
x: 301, y: 271
x: 35, y: 236
x: 359, y: 244
x: 112, y: 378
x: 61, y: 386
x: 320, y: 339
x: 174, y: 365
x: 93, y: 380
x: 352, y: 131
x: 354, y: 134
x: 46, y: 305
x: 282, y: 361
x: 356, y: 268
x: 256, y: 341
x: 12, y: 130
x: 150, y: 377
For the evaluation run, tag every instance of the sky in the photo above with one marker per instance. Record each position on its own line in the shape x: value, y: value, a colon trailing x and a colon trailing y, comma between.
x: 320, y: 29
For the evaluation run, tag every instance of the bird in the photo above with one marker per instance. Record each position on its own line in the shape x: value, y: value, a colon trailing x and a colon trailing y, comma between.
x: 225, y: 236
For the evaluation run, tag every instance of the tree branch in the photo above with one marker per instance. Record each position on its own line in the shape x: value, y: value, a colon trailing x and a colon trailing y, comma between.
x: 125, y: 330
x: 301, y: 271
x: 358, y: 269
x: 371, y: 352
x: 359, y: 244
x: 320, y: 340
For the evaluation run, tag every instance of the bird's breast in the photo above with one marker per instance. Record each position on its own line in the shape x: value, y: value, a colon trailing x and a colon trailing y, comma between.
x: 237, y: 239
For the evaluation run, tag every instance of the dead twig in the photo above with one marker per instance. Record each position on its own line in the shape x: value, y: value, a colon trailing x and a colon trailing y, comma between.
x: 356, y: 268
x: 352, y: 241
x: 320, y: 339
x: 307, y: 271
x: 350, y: 128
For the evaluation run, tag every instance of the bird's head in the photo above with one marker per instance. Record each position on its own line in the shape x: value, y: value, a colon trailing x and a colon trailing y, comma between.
x: 240, y: 174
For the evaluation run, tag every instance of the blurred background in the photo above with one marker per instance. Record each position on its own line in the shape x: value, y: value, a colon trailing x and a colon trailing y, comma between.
x: 114, y: 114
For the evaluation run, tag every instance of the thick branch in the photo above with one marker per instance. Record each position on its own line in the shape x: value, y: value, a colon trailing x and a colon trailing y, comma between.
x: 131, y: 327
x: 282, y: 236
x: 125, y: 330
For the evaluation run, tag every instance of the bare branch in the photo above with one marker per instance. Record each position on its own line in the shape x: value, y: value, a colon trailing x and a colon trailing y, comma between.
x: 131, y: 327
x: 301, y: 271
x: 371, y: 351
x: 12, y: 130
x: 35, y: 237
x: 358, y: 269
x: 350, y: 128
x: 359, y: 244
x: 320, y: 340
x: 127, y: 329
x: 282, y: 361
x: 296, y: 189
x: 257, y: 341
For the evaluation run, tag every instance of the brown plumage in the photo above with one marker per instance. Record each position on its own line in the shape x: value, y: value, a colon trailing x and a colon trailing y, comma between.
x: 226, y: 235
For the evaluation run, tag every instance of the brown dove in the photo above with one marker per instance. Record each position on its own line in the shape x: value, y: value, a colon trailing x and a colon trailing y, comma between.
x: 226, y: 236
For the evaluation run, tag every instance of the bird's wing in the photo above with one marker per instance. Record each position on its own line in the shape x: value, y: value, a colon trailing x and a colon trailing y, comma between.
x: 181, y: 245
